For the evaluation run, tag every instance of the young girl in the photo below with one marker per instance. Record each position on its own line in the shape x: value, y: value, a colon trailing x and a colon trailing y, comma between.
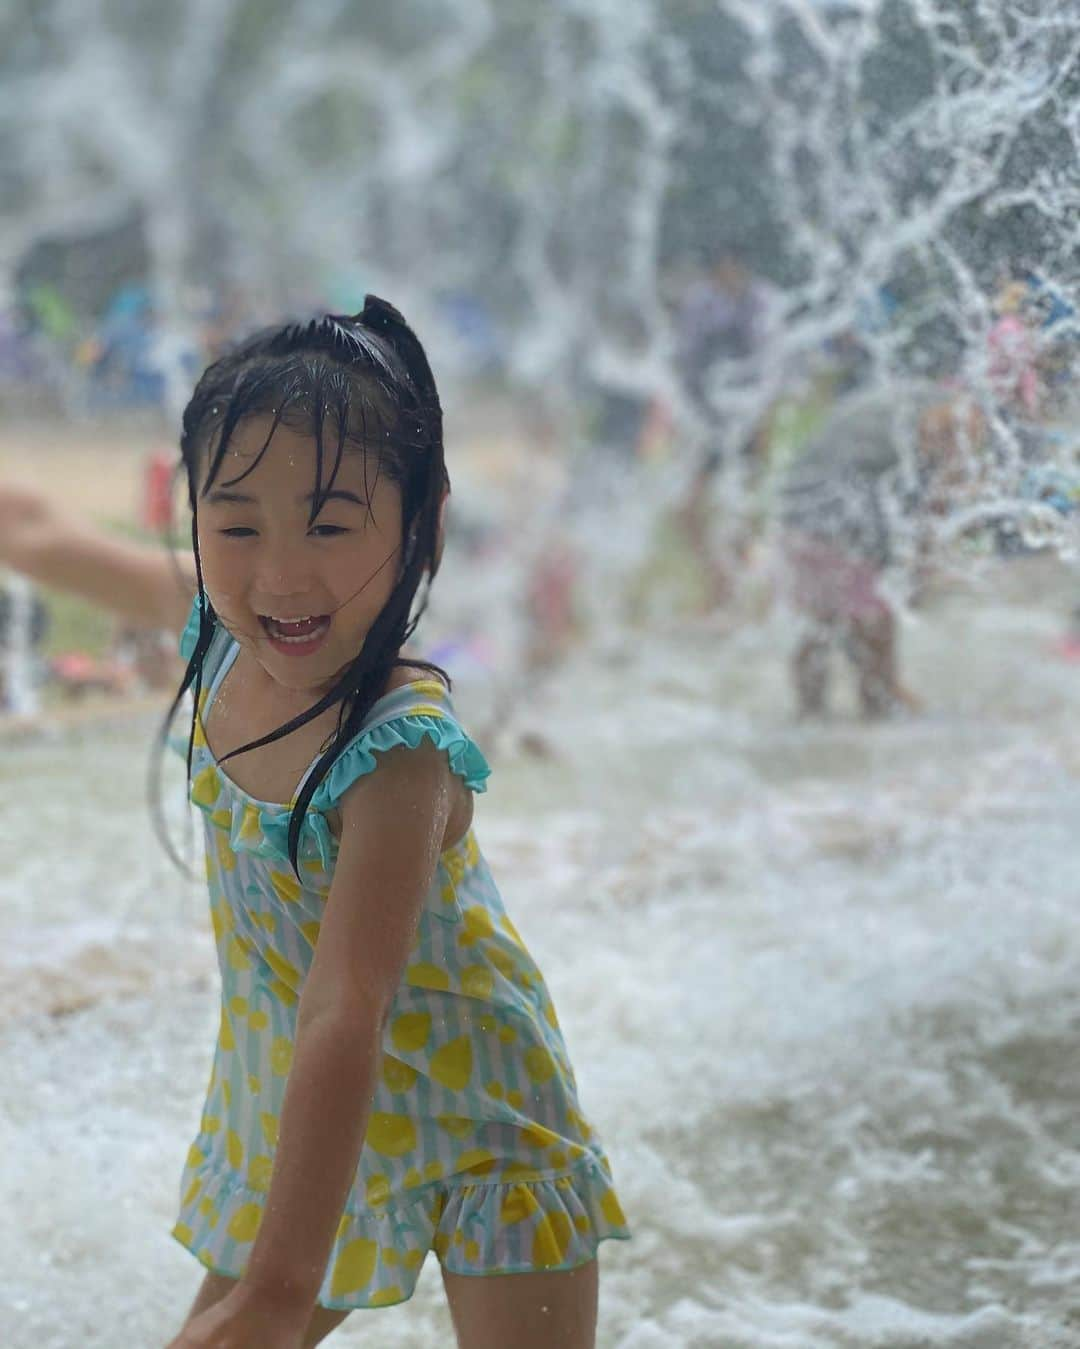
x: 389, y: 1076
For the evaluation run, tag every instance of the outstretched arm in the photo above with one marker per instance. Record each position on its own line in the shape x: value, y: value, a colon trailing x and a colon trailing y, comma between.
x: 137, y: 581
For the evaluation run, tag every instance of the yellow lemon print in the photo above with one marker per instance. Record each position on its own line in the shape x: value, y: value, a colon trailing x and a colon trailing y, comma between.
x: 195, y: 1157
x: 518, y: 1204
x: 238, y: 956
x: 391, y: 1135
x: 238, y: 1006
x: 515, y: 1099
x: 225, y: 1034
x: 502, y: 960
x: 477, y: 1160
x: 226, y: 1092
x: 390, y: 1256
x: 426, y: 710
x: 410, y: 1032
x: 211, y: 1124
x: 192, y: 1193
x: 283, y: 992
x: 551, y: 1240
x: 343, y: 1226
x: 259, y: 1172
x: 286, y: 887
x: 269, y: 1127
x: 226, y: 856
x: 454, y: 863
x: 478, y: 926
x: 234, y: 1149
x: 477, y: 981
x: 452, y: 1064
x: 539, y: 1065
x: 413, y: 1178
x: 539, y: 1136
x: 510, y: 930
x: 250, y: 828
x: 454, y: 1125
x: 441, y: 1245
x: 222, y: 818
x: 433, y: 1171
x: 281, y: 1055
x: 206, y: 786
x: 519, y: 1171
x: 386, y: 1297
x: 259, y: 1020
x: 398, y: 1076
x: 378, y: 1190
x: 183, y: 1233
x: 427, y: 976
x: 244, y: 1224
x: 311, y: 932
x: 428, y: 688
x: 285, y: 970
x: 354, y: 1267
x: 612, y: 1209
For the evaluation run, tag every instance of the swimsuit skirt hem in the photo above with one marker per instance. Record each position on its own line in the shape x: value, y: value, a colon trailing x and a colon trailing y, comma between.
x: 485, y: 1228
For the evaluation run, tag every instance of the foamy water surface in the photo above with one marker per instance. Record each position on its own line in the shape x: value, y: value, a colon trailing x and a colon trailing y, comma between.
x: 819, y: 984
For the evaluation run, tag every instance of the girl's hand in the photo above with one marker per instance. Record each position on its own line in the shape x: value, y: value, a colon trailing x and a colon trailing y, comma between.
x: 241, y: 1321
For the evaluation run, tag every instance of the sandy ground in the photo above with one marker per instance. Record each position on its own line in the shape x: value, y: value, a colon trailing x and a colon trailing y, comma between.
x: 98, y: 469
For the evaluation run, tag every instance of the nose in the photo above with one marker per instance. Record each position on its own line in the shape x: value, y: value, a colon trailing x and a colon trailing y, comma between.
x: 283, y: 573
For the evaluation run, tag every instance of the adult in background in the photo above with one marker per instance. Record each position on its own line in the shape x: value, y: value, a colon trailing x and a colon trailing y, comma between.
x: 882, y: 464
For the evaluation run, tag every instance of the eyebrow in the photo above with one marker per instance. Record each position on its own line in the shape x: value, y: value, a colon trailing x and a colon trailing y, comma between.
x: 221, y: 497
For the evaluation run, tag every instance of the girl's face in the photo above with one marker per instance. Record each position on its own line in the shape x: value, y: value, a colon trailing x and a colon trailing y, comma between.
x: 300, y: 598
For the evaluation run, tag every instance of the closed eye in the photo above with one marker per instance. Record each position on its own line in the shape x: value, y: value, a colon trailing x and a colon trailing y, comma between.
x: 317, y: 531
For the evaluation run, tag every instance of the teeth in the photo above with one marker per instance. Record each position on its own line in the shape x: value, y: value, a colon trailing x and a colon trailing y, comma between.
x: 284, y: 629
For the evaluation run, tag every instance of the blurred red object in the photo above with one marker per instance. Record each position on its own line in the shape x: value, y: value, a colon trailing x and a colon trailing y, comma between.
x: 157, y: 493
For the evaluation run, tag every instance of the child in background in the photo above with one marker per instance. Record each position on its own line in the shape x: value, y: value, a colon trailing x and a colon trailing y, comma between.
x: 845, y: 505
x: 389, y: 1076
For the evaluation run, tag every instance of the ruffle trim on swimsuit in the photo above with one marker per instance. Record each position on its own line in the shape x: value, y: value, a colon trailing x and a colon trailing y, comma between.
x: 475, y: 1229
x: 407, y: 729
x: 262, y: 829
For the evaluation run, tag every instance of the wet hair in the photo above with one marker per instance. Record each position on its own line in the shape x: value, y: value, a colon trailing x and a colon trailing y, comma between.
x: 362, y: 382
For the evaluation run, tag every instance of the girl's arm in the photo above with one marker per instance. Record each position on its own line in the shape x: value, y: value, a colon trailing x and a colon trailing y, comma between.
x: 393, y: 821
x: 143, y: 584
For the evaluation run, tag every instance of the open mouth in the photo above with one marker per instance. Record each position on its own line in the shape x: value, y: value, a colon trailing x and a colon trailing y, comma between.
x: 297, y: 635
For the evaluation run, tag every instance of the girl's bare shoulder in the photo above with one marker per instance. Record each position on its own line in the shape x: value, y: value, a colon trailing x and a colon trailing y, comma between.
x: 401, y: 675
